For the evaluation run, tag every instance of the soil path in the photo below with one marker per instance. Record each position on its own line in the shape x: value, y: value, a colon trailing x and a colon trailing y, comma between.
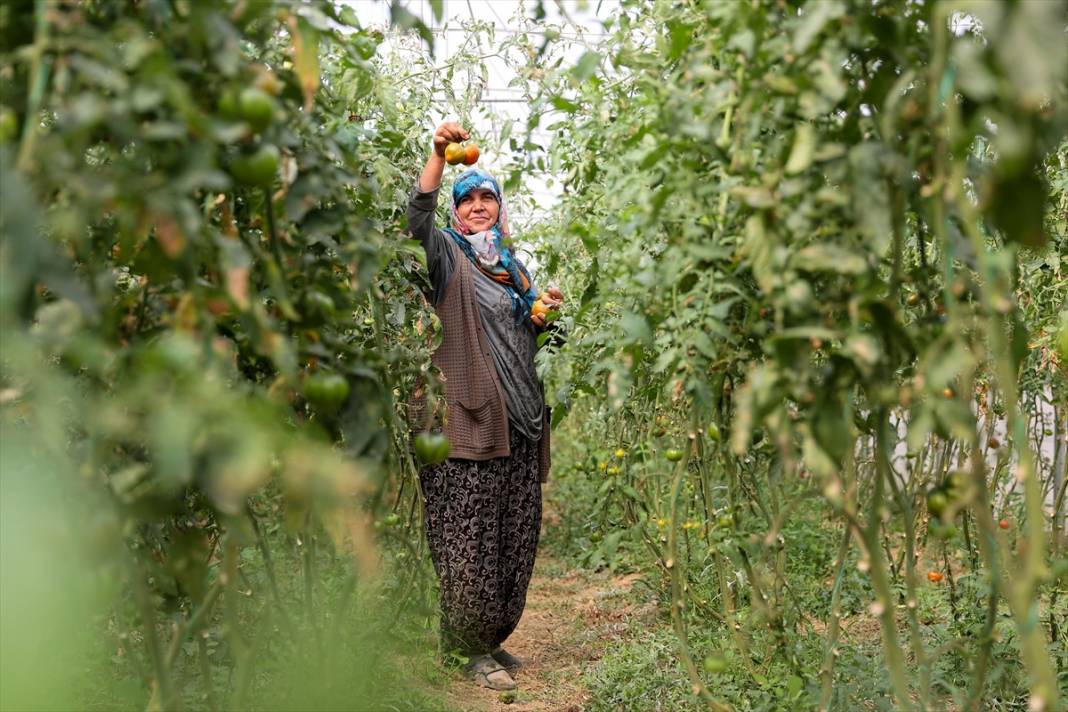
x: 570, y: 619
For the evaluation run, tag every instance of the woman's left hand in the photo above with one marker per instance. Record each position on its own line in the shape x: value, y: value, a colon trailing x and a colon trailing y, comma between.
x: 552, y: 298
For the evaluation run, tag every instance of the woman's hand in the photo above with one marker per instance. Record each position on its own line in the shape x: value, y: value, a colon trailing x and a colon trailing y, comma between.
x: 445, y: 134
x: 551, y: 298
x: 448, y: 132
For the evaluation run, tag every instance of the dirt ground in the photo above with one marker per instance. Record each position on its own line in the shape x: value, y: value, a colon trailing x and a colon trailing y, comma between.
x: 570, y: 619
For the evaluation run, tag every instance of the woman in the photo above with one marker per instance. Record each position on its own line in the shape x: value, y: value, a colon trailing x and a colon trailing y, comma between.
x: 482, y: 506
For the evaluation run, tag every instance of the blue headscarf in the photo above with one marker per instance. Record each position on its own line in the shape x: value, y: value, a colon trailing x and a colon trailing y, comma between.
x: 489, y: 250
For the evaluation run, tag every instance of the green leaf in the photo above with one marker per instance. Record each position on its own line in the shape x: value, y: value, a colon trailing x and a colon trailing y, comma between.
x: 803, y: 150
x: 636, y: 328
x: 817, y: 13
x: 680, y: 35
x: 587, y: 65
x: 564, y: 104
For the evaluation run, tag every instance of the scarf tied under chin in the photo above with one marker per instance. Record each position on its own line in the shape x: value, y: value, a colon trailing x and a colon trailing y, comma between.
x: 489, y: 249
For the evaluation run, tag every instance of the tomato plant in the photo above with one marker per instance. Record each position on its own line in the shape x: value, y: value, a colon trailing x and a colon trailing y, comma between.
x: 816, y: 256
x: 803, y: 223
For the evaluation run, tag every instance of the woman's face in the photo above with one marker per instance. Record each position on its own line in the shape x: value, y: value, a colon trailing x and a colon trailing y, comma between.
x: 479, y: 209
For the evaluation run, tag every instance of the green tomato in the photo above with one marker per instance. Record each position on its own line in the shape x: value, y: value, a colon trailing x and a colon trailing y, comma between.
x: 9, y: 125
x: 392, y: 519
x: 957, y: 481
x: 673, y: 455
x: 256, y: 108
x: 713, y: 432
x: 937, y: 502
x: 715, y: 664
x: 942, y: 531
x: 432, y: 448
x: 258, y: 168
x: 326, y: 391
x: 596, y: 537
x: 229, y: 105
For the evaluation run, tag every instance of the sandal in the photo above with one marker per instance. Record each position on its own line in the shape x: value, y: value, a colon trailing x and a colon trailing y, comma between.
x: 485, y: 671
x: 510, y: 662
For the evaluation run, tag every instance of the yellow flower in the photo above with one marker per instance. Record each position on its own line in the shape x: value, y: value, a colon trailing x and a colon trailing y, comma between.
x: 620, y: 453
x: 613, y: 470
x: 602, y: 466
x: 661, y: 522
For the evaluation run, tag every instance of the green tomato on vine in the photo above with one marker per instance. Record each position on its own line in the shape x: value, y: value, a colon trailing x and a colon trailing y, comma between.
x: 258, y: 168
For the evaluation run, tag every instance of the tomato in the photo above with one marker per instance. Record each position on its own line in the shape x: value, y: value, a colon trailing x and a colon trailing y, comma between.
x: 539, y: 309
x: 943, y: 531
x: 454, y: 153
x: 1004, y: 524
x: 947, y: 392
x: 326, y: 391
x: 713, y: 432
x: 432, y: 448
x: 256, y: 108
x: 258, y: 168
x: 937, y: 501
x: 724, y: 521
x: 957, y: 481
x: 935, y: 576
x: 471, y: 154
x: 392, y: 519
x: 595, y: 537
x: 715, y: 664
x: 673, y: 455
x: 229, y: 105
x: 913, y: 299
x: 9, y: 125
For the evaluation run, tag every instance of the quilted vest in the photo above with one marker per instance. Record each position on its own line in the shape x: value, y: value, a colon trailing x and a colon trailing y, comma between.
x: 476, y: 414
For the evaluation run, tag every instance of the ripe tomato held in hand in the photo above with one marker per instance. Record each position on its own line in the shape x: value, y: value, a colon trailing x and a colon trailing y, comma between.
x: 454, y: 153
x: 471, y: 154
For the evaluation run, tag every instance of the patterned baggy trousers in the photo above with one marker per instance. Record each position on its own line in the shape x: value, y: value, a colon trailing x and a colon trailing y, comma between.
x: 482, y: 522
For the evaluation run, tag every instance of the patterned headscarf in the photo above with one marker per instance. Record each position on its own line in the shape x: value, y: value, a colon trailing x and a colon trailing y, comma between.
x: 489, y: 250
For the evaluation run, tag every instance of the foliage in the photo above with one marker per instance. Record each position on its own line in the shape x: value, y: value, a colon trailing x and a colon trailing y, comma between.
x: 835, y: 231
x: 199, y: 203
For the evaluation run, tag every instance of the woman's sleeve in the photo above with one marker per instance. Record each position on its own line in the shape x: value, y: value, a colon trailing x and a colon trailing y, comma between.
x: 439, y: 258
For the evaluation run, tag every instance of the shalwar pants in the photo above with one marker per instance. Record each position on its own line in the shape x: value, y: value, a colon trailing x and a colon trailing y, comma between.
x: 482, y: 520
